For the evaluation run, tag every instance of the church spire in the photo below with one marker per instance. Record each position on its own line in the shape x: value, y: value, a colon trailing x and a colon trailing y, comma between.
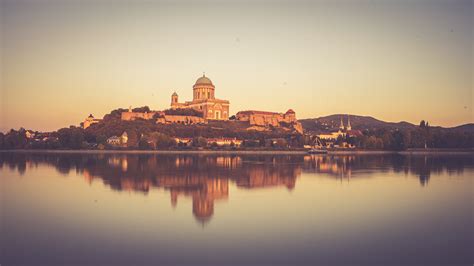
x: 349, y: 123
x: 341, y: 127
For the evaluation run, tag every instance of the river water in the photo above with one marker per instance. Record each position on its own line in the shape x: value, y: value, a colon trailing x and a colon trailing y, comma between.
x: 132, y: 209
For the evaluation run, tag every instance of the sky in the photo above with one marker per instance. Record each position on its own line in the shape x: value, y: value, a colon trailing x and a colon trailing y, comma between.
x: 393, y: 60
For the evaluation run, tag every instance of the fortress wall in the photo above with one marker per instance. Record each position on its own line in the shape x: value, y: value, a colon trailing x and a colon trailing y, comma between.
x: 129, y: 116
x: 182, y: 119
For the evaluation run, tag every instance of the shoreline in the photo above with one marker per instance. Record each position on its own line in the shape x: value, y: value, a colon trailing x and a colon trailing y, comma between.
x: 250, y: 152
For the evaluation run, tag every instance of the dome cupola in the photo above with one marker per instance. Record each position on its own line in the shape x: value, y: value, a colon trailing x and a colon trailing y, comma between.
x: 203, y: 81
x: 203, y: 88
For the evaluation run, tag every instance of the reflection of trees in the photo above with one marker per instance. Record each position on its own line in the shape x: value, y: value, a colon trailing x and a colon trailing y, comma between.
x: 346, y: 166
x: 205, y: 179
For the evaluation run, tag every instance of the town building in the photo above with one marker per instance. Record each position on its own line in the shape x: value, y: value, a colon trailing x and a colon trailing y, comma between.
x: 184, y: 141
x: 90, y: 120
x: 204, y: 100
x: 114, y: 140
x: 29, y: 134
x: 124, y: 138
x: 118, y: 141
x: 224, y: 141
x: 342, y: 132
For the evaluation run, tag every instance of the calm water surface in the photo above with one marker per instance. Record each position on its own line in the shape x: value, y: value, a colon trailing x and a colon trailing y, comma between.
x: 106, y: 209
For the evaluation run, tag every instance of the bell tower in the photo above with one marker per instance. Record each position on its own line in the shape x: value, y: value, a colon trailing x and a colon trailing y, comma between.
x: 174, y: 100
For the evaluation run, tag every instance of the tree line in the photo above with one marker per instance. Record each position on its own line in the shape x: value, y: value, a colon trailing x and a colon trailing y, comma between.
x: 146, y: 134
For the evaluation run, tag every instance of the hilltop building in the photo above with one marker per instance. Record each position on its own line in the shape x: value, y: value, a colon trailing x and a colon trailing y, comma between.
x: 206, y: 107
x: 204, y: 100
x: 29, y: 134
x: 263, y: 118
x: 131, y: 115
x: 90, y: 120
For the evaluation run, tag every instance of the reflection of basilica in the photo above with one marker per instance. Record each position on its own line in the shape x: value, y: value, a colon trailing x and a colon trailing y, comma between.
x: 205, y: 178
x: 339, y: 166
x: 203, y: 191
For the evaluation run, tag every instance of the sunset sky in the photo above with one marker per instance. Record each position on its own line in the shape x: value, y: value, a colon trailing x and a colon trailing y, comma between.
x: 393, y: 60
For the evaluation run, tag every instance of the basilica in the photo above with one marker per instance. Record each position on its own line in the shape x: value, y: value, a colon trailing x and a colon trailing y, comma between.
x: 204, y: 100
x: 209, y: 108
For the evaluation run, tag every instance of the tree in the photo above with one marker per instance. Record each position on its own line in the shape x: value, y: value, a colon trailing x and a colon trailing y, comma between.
x: 133, y: 138
x: 101, y: 139
x: 186, y: 111
x: 142, y: 109
x: 160, y: 140
x: 199, y: 142
x: 144, y: 145
x: 397, y: 141
x: 71, y: 138
x: 15, y: 139
x: 251, y: 143
x: 280, y: 143
x: 422, y: 123
x: 2, y: 139
x: 158, y: 115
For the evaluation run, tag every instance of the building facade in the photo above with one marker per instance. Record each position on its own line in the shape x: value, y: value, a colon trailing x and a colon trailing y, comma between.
x: 180, y: 119
x: 263, y: 118
x: 118, y: 141
x: 204, y: 100
x: 90, y: 120
x: 342, y: 132
x: 130, y: 115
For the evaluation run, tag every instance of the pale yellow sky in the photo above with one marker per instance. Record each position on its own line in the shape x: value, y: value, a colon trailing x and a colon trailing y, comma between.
x: 394, y: 60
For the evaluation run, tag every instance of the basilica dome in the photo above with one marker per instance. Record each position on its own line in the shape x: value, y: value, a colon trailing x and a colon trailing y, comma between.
x: 203, y: 81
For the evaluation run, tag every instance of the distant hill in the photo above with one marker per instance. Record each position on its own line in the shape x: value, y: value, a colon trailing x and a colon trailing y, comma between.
x: 464, y: 128
x: 332, y: 122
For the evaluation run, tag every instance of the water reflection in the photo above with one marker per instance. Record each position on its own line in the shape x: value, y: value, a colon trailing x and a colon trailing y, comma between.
x: 205, y: 178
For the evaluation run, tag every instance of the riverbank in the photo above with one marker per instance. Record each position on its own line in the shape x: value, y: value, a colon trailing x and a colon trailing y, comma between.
x: 405, y: 152
x: 256, y: 152
x: 262, y: 152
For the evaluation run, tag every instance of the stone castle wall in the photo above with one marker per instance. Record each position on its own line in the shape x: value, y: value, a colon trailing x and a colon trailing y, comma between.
x: 181, y: 119
x: 259, y: 118
x: 163, y: 119
x: 130, y: 116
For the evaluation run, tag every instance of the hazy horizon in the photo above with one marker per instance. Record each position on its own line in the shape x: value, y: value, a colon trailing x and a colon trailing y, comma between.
x: 392, y: 60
